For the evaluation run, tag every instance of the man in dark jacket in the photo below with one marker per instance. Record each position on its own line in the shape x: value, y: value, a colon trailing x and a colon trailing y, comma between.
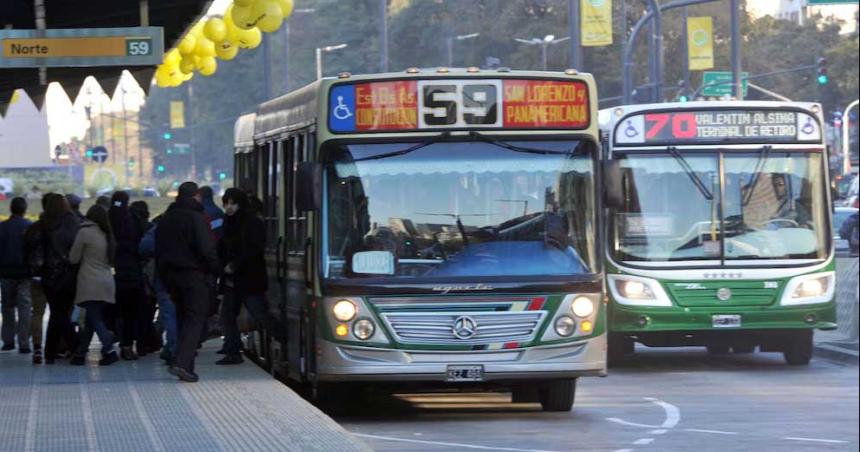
x: 186, y: 260
x: 849, y: 231
x: 244, y: 270
x: 15, y: 278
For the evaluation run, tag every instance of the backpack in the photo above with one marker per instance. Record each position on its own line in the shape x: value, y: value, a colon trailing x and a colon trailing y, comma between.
x: 58, y: 273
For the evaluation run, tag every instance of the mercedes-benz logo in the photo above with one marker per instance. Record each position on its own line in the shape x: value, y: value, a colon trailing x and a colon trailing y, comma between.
x: 723, y: 294
x: 464, y: 327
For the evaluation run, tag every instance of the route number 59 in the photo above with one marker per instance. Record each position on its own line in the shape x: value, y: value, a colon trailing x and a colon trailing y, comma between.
x: 138, y: 47
x: 459, y: 103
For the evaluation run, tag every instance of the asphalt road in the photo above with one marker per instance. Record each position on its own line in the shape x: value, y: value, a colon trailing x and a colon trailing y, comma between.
x: 662, y: 400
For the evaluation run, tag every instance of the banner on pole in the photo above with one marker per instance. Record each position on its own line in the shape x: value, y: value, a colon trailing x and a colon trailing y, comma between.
x: 177, y: 114
x: 700, y: 43
x: 596, y: 21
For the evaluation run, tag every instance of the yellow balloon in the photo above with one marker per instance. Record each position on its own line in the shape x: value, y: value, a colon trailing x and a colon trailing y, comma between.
x: 215, y: 29
x: 197, y: 30
x: 286, y: 7
x: 172, y: 58
x: 204, y: 48
x: 249, y: 39
x: 187, y: 76
x: 162, y: 77
x: 268, y: 15
x: 186, y: 44
x: 208, y: 66
x: 243, y: 17
x: 244, y: 3
x: 226, y: 50
x: 188, y: 64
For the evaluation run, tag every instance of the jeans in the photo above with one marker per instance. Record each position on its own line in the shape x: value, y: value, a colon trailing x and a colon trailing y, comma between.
x: 167, y: 315
x: 95, y: 322
x: 39, y: 302
x: 230, y: 310
x: 15, y: 296
x: 192, y: 297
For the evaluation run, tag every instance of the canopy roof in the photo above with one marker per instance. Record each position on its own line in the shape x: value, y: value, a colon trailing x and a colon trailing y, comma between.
x: 174, y: 15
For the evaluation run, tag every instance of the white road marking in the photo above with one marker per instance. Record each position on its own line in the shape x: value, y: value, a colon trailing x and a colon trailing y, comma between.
x: 628, y: 423
x: 440, y: 443
x: 643, y: 441
x: 816, y: 440
x: 659, y: 431
x: 624, y: 450
x: 673, y: 415
x: 32, y: 416
x: 717, y: 432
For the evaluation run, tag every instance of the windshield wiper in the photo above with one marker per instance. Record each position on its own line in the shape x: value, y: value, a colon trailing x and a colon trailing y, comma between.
x: 690, y: 173
x: 515, y: 148
x: 759, y: 166
x: 415, y: 147
x: 460, y: 227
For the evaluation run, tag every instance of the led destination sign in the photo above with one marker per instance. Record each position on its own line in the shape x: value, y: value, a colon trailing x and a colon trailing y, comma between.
x: 458, y: 104
x: 717, y: 126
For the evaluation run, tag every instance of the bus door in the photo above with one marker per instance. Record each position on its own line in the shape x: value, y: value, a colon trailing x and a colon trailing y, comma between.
x: 294, y: 261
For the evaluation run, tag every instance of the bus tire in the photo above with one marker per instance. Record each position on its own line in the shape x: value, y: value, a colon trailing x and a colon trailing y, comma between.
x: 718, y: 349
x: 798, y: 351
x: 618, y: 347
x: 557, y: 395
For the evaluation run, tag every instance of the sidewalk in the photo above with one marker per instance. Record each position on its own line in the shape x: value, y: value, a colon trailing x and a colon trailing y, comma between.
x: 137, y: 406
x: 842, y: 344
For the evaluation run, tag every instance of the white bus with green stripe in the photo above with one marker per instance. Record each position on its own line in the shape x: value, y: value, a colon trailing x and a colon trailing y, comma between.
x: 718, y: 227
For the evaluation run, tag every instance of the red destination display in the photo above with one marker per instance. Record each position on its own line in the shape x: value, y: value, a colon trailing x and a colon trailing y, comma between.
x: 545, y: 104
x: 386, y: 106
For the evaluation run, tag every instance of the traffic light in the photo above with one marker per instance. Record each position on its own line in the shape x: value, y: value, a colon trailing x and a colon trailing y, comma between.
x: 822, y: 71
x: 167, y: 135
x: 222, y: 175
x: 682, y: 91
x: 160, y: 168
x: 89, y: 153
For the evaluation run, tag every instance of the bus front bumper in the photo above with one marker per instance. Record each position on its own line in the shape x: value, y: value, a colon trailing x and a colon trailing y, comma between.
x: 340, y: 362
x: 626, y: 319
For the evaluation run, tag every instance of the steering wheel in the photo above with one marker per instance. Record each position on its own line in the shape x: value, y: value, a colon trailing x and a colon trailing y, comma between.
x: 776, y: 221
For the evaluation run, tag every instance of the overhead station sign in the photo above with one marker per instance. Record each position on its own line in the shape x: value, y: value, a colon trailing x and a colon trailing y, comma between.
x: 717, y: 127
x: 135, y: 46
x: 458, y: 104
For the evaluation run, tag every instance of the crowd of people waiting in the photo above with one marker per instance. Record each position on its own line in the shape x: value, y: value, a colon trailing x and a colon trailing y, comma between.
x: 148, y: 285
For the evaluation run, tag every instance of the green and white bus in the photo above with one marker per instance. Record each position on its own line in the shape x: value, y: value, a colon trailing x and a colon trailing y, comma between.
x: 432, y: 227
x: 718, y: 218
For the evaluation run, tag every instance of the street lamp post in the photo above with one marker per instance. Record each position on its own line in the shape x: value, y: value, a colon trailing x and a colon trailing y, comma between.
x: 319, y: 52
x: 544, y: 44
x: 450, y: 42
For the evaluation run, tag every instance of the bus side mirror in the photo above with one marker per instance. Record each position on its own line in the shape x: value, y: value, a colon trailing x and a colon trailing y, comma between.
x: 613, y: 193
x: 309, y: 187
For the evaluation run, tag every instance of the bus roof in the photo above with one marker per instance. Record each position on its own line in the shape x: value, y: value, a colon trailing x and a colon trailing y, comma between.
x: 243, y: 131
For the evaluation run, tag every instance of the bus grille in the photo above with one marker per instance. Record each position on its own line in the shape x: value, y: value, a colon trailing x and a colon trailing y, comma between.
x: 438, y: 327
x: 743, y: 293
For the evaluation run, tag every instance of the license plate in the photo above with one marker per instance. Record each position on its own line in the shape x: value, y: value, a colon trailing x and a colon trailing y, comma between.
x: 465, y: 373
x: 726, y: 321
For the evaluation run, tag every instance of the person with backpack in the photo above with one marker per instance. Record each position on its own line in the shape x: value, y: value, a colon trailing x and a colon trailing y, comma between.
x: 15, y: 279
x: 849, y: 231
x: 58, y: 231
x: 93, y: 249
x: 128, y: 230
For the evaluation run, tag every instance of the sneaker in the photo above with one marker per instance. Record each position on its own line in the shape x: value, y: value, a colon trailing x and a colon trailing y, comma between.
x: 78, y: 361
x: 7, y: 347
x: 127, y: 354
x: 24, y: 351
x: 184, y: 375
x: 230, y: 360
x: 37, y: 356
x: 108, y: 359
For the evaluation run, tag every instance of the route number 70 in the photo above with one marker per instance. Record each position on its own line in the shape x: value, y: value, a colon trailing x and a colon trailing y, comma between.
x: 683, y: 125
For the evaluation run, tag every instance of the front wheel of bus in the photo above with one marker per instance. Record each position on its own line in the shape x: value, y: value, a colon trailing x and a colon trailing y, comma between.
x: 557, y: 395
x: 798, y: 350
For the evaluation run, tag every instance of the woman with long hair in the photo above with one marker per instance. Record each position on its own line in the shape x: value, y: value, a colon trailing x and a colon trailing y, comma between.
x: 94, y: 249
x: 130, y: 300
x: 60, y: 226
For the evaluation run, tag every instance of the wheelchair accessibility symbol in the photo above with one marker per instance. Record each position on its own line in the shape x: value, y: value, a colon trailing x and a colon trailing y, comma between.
x: 341, y: 110
x: 809, y: 127
x: 630, y: 131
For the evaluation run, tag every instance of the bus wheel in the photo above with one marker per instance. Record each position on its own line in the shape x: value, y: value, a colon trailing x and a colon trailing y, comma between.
x: 718, y: 349
x: 557, y: 395
x: 618, y: 346
x: 798, y: 350
x: 743, y: 349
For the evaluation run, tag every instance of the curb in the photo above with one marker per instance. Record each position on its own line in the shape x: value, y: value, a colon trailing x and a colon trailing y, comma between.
x: 837, y: 352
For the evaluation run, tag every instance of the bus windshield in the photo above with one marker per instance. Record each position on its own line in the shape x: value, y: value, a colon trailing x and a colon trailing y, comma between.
x: 459, y: 209
x: 770, y: 205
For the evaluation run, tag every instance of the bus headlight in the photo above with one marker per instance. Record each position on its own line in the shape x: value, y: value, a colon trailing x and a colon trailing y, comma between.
x: 344, y: 310
x: 637, y: 291
x: 565, y: 326
x: 809, y: 289
x: 582, y: 307
x: 363, y: 329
